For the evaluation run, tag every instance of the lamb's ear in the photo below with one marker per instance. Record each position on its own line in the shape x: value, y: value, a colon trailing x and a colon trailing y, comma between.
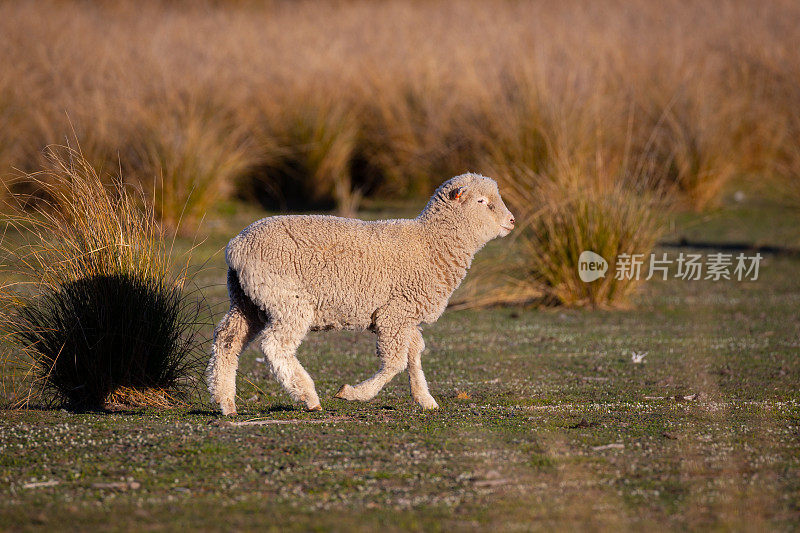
x: 456, y: 194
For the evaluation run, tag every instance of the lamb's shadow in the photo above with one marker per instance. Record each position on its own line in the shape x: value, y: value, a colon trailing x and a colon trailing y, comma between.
x: 280, y: 408
x: 203, y: 412
x: 253, y: 411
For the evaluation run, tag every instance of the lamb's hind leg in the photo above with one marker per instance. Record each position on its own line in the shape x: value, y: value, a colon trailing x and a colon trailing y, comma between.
x: 233, y: 333
x: 279, y: 343
x: 393, y: 352
x: 416, y: 378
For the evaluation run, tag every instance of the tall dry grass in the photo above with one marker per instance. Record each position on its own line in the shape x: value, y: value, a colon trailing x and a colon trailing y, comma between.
x: 314, y: 105
x: 573, y: 193
x: 607, y: 219
x: 330, y: 100
x: 91, y: 304
x: 189, y: 155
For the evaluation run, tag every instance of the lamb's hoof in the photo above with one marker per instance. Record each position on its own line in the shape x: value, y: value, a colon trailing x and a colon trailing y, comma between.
x: 427, y: 403
x: 345, y: 393
x: 228, y: 407
x: 317, y: 407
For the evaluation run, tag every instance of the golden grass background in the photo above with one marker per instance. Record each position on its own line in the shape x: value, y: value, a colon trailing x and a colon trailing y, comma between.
x: 397, y: 95
x: 314, y: 105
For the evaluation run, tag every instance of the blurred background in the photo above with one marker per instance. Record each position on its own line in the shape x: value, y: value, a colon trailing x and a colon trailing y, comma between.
x: 616, y: 112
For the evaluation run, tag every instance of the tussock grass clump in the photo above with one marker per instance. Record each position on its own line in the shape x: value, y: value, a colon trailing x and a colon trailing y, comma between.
x: 573, y: 205
x: 689, y: 149
x: 610, y: 223
x: 574, y: 185
x: 99, y: 334
x: 193, y: 155
x: 556, y: 223
x: 786, y: 163
x: 307, y: 156
x: 94, y: 308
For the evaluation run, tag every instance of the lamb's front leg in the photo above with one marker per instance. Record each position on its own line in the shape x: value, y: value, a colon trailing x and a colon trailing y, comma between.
x: 416, y: 378
x: 392, y: 351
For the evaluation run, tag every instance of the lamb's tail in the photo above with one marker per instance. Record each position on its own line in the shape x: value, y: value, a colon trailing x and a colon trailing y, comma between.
x: 235, y: 290
x: 239, y: 297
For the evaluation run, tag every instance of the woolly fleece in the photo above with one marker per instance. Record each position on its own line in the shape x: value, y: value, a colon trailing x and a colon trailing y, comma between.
x: 292, y: 274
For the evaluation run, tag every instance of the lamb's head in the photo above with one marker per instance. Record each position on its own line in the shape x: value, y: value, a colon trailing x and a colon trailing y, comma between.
x: 474, y: 203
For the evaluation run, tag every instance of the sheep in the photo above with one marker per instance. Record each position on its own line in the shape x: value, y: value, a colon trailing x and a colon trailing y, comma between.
x: 288, y: 275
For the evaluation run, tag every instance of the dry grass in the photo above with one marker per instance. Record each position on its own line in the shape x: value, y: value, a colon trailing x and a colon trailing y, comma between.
x: 574, y: 203
x: 73, y: 226
x: 126, y: 397
x: 786, y: 132
x: 314, y: 144
x: 391, y: 97
x: 189, y: 156
x: 312, y: 105
x: 609, y: 222
x: 91, y: 303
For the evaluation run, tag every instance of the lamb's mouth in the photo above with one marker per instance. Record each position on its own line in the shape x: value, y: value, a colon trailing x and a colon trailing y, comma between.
x: 507, y: 228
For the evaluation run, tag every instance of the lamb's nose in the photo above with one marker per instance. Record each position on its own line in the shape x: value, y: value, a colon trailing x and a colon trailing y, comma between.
x: 512, y: 221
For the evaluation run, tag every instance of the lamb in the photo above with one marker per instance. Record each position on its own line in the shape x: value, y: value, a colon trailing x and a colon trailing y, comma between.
x: 288, y: 275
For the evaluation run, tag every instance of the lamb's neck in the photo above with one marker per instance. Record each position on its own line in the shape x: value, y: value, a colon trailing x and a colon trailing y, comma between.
x: 452, y: 249
x: 452, y: 265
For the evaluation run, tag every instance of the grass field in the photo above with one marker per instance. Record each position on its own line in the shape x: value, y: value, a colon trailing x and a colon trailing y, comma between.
x: 545, y: 421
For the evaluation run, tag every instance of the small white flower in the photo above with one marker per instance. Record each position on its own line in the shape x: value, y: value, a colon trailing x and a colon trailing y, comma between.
x: 637, y: 358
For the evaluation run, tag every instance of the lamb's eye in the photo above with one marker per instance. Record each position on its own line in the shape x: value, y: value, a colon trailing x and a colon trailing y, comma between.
x: 481, y: 200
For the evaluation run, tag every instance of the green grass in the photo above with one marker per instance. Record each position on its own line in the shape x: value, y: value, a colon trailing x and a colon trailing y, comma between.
x: 544, y: 386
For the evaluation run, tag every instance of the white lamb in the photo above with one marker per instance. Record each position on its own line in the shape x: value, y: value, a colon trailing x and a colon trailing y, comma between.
x: 292, y: 274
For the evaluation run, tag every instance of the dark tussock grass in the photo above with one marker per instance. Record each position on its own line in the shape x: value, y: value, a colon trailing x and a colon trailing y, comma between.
x: 95, y: 335
x: 92, y: 305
